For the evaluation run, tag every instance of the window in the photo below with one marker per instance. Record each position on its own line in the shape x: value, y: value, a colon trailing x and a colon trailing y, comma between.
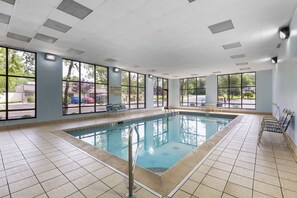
x: 192, y: 92
x: 237, y: 91
x: 133, y: 89
x: 160, y: 92
x: 85, y: 87
x: 17, y: 84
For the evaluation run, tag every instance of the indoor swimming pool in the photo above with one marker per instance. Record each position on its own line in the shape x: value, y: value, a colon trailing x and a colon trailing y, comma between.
x: 164, y: 140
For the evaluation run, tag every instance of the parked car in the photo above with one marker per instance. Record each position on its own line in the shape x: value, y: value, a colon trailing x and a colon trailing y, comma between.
x: 88, y: 100
x: 75, y: 100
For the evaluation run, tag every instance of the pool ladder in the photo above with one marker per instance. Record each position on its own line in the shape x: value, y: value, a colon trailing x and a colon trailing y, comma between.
x: 132, y: 162
x: 169, y: 111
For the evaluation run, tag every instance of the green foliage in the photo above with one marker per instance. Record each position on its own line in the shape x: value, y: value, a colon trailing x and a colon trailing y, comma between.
x: 31, y: 99
x: 249, y: 94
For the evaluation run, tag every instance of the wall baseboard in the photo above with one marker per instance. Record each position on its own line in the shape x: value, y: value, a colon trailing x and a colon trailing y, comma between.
x: 291, y: 144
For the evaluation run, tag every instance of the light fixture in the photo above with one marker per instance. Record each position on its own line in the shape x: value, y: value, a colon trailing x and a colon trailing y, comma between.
x: 116, y: 69
x: 150, y: 76
x: 50, y: 57
x: 284, y: 33
x: 274, y: 60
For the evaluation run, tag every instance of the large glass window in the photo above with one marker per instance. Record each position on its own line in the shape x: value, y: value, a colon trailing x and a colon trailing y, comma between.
x: 133, y: 89
x: 85, y: 87
x: 17, y: 84
x: 192, y: 92
x: 237, y: 91
x: 160, y: 92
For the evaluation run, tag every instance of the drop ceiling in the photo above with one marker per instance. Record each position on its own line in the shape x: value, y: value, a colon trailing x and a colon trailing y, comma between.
x: 172, y: 38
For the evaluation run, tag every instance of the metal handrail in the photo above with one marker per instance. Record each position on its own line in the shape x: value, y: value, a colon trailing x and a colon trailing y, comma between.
x: 132, y: 162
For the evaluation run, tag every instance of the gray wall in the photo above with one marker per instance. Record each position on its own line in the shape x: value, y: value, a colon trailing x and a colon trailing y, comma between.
x: 114, y: 80
x: 263, y: 91
x: 285, y: 76
x: 149, y: 93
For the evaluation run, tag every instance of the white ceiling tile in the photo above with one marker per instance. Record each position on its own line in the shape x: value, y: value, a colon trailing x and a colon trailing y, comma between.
x: 131, y: 4
x: 6, y: 8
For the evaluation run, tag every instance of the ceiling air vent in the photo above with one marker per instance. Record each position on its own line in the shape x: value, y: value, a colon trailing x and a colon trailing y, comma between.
x: 110, y: 60
x: 243, y: 63
x: 217, y: 72
x: 18, y: 37
x: 4, y: 18
x: 75, y: 51
x: 75, y: 9
x: 221, y: 27
x: 191, y: 1
x: 245, y: 68
x: 231, y: 45
x: 55, y: 25
x: 238, y: 56
x: 12, y: 2
x: 45, y: 38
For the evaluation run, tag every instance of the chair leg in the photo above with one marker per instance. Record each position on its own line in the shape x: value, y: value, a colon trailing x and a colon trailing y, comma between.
x: 260, y: 136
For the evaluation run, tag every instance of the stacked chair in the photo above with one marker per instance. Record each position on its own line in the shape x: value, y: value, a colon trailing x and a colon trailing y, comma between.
x: 272, y: 124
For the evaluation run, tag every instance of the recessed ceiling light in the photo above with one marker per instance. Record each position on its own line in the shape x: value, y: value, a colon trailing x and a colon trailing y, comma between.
x: 232, y: 45
x: 75, y: 9
x: 278, y: 45
x: 221, y: 27
x: 55, y: 25
x: 245, y: 68
x: 243, y: 63
x: 238, y: 56
x: 4, y: 18
x: 75, y: 51
x: 191, y: 1
x: 18, y: 37
x: 217, y: 72
x: 45, y: 38
x: 110, y: 60
x: 12, y: 2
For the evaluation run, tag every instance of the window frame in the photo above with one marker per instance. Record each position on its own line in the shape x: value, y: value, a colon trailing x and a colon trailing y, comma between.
x: 7, y: 76
x: 137, y: 89
x: 229, y: 87
x: 80, y: 82
x: 181, y: 96
x: 157, y: 93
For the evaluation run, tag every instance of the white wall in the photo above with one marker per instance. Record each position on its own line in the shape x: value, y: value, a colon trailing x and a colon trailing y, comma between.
x: 149, y: 93
x: 285, y: 76
x: 114, y: 80
x: 173, y: 93
x: 263, y: 91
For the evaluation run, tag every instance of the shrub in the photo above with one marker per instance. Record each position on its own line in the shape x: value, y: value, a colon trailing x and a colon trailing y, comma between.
x: 249, y: 94
x: 30, y: 99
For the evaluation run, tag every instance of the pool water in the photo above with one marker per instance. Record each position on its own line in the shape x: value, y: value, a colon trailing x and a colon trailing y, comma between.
x: 164, y: 140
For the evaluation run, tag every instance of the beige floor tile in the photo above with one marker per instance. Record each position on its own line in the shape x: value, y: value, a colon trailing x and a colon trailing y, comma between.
x: 103, y: 172
x: 75, y: 174
x: 260, y: 195
x: 4, y: 191
x: 22, y: 184
x: 3, y: 181
x: 54, y: 183
x: 42, y: 196
x: 95, y: 189
x: 266, y: 163
x: 214, y: 182
x: 223, y: 166
x: 286, y: 168
x: 243, y: 172
x: 181, y: 194
x: 241, y: 180
x: 62, y: 191
x: 227, y: 196
x: 266, y: 170
x: 288, y: 176
x: 238, y: 191
x: 229, y: 155
x: 145, y: 194
x: 289, y: 194
x: 197, y: 176
x: 226, y: 160
x: 84, y: 181
x: 289, y: 185
x: 267, y: 189
x: 48, y: 175
x: 93, y: 166
x: 267, y: 179
x: 189, y: 186
x: 219, y: 173
x: 245, y: 165
x: 110, y: 194
x: 208, y: 162
x: 76, y: 195
x: 43, y: 168
x: 30, y: 192
x: 203, y: 168
x: 69, y: 167
x: 113, y: 180
x: 207, y: 192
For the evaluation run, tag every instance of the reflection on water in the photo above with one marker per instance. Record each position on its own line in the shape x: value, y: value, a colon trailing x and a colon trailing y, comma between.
x: 163, y: 140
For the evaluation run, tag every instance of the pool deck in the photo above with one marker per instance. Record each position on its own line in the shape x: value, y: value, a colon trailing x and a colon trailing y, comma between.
x: 37, y: 163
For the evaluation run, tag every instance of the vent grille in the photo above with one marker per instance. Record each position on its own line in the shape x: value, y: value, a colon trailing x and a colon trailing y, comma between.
x: 75, y: 51
x: 221, y: 27
x: 45, y: 38
x: 243, y: 63
x: 110, y: 60
x: 238, y: 56
x: 217, y: 72
x: 12, y: 2
x: 18, y: 37
x: 55, y: 25
x: 75, y: 9
x: 232, y: 45
x: 245, y: 68
x: 4, y: 18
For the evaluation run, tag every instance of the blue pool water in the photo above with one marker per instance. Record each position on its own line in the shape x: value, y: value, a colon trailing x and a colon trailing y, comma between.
x: 164, y: 140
